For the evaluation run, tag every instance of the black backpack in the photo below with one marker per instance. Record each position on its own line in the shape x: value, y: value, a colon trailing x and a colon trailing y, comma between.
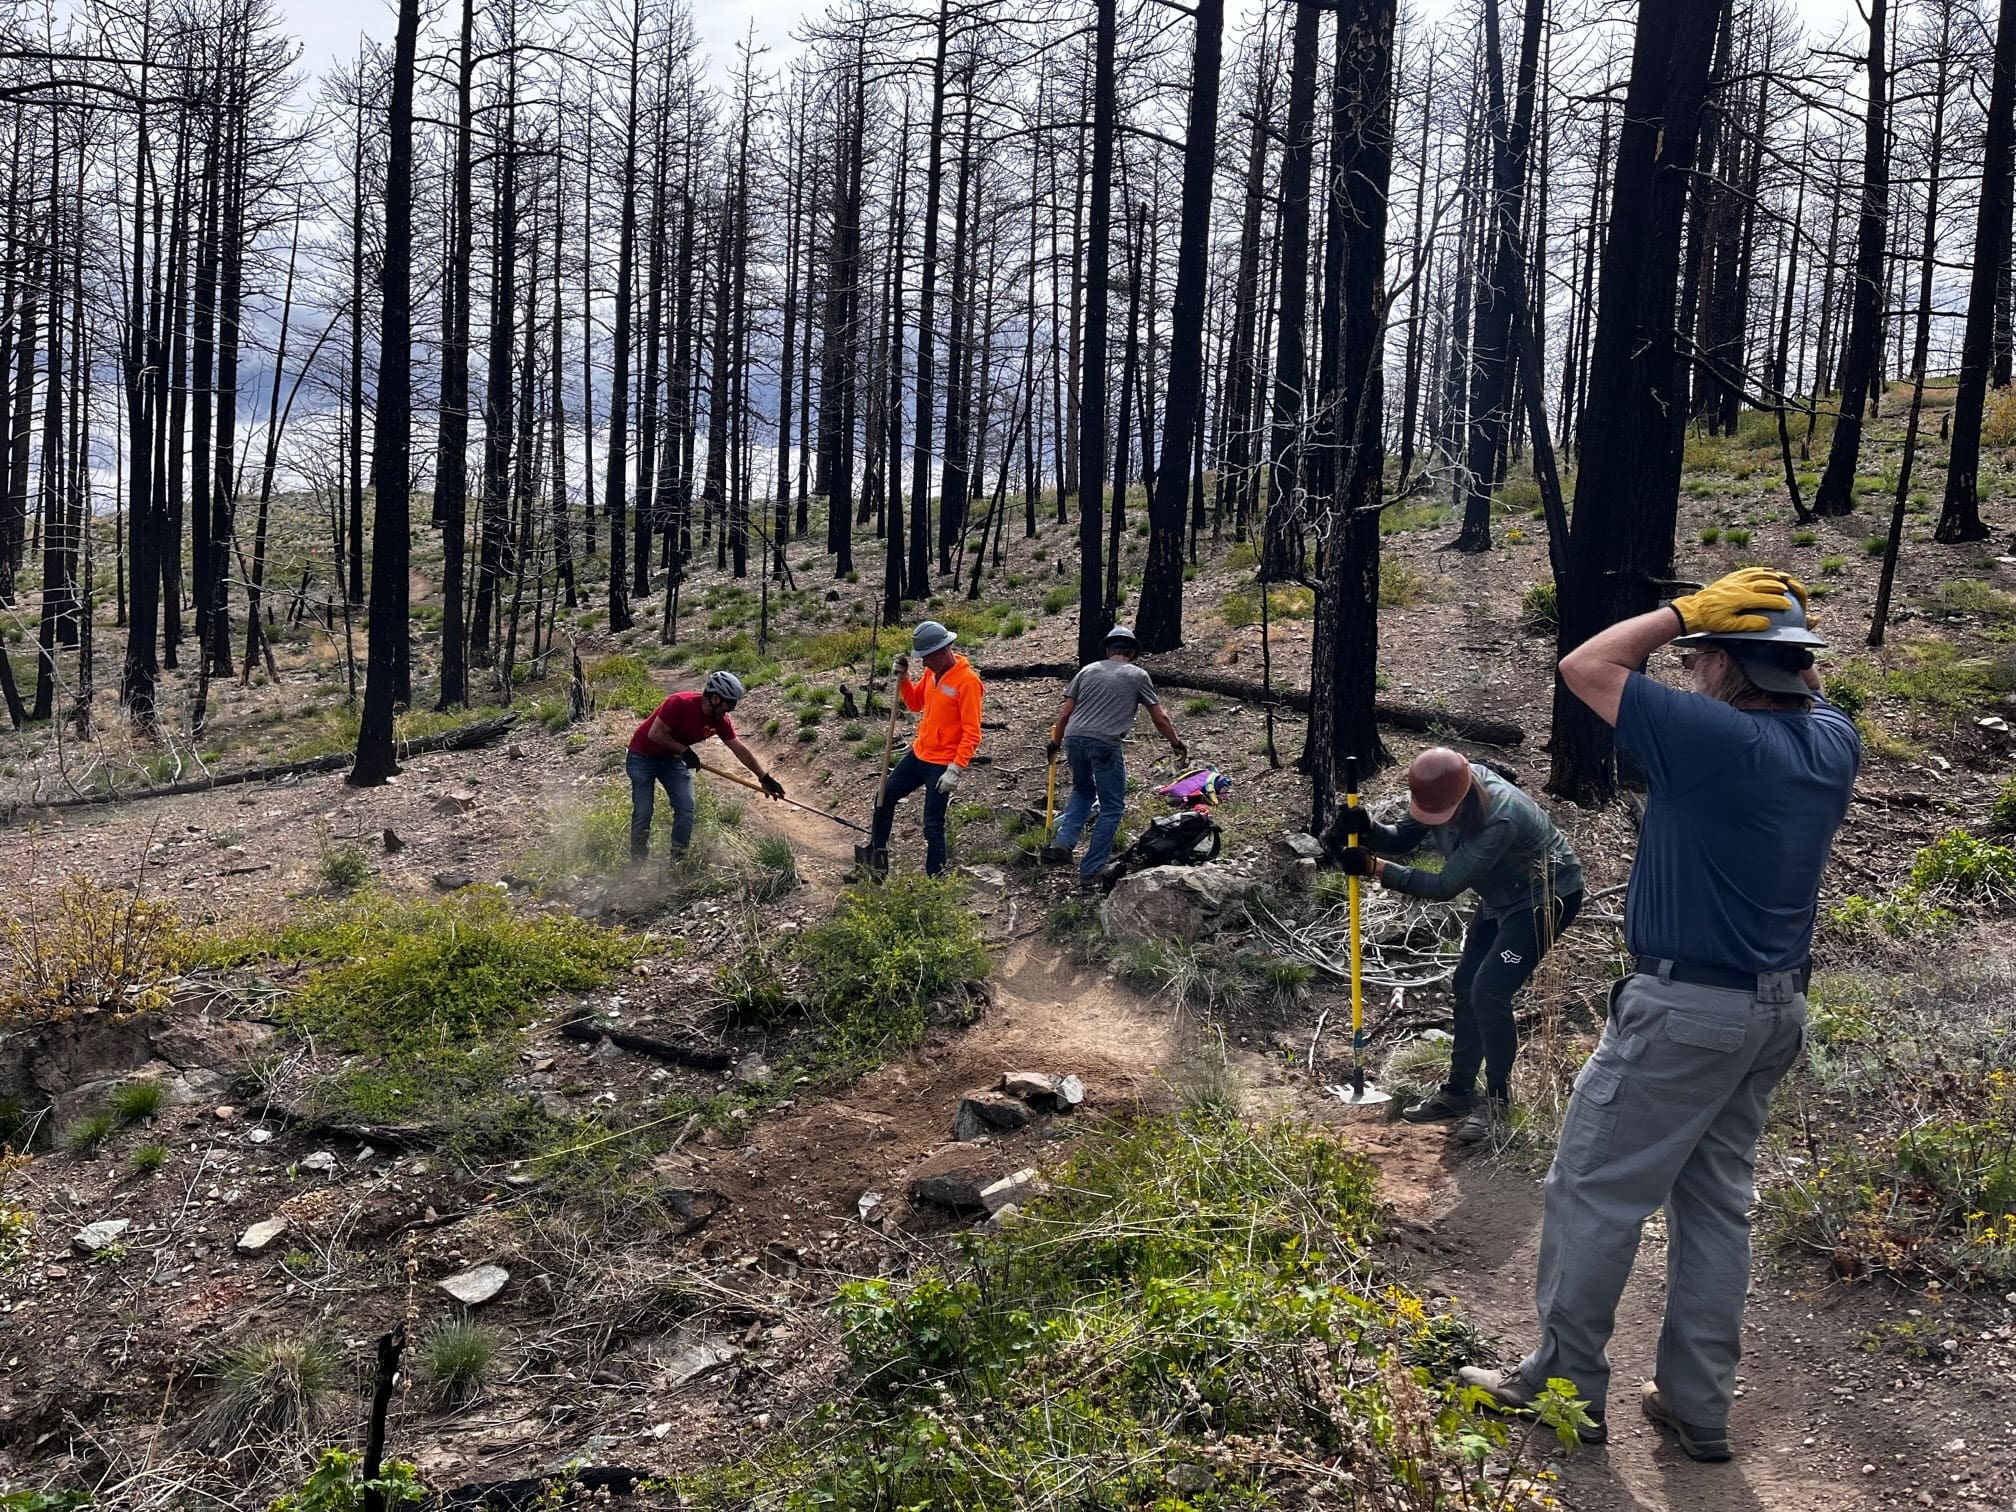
x: 1188, y: 837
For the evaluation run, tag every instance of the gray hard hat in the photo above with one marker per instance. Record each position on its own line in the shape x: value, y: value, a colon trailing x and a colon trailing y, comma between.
x: 1773, y: 657
x: 930, y: 636
x: 1122, y: 634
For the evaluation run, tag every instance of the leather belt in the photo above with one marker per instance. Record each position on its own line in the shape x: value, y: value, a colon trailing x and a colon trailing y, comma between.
x: 1714, y: 976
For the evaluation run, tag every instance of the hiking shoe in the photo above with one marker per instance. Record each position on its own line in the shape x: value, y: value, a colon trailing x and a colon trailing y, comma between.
x: 1440, y: 1106
x: 1708, y: 1445
x: 1054, y: 855
x: 1510, y: 1392
x: 1485, y: 1117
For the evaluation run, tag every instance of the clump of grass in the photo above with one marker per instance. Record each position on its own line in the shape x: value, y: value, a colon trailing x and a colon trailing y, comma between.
x: 1058, y: 599
x: 84, y: 1134
x: 430, y: 994
x: 138, y: 1101
x: 1832, y: 566
x: 274, y: 1392
x: 1710, y: 535
x: 1972, y: 596
x: 2003, y: 815
x: 1400, y: 586
x: 1875, y: 545
x: 1803, y: 538
x: 457, y: 1355
x: 1736, y: 535
x: 87, y: 947
x: 776, y: 869
x: 1197, y: 707
x: 887, y: 954
x: 1189, y: 1288
x: 149, y: 1158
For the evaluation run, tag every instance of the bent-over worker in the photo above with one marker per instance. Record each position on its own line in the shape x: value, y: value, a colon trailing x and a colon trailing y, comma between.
x: 1500, y: 844
x: 1098, y: 714
x: 661, y: 753
x: 948, y: 693
x: 1749, y: 774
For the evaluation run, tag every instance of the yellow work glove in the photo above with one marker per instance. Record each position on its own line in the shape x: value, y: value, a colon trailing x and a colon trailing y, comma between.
x: 1738, y: 602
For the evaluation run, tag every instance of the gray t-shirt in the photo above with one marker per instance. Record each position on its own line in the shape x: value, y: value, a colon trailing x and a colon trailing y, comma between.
x: 1106, y: 694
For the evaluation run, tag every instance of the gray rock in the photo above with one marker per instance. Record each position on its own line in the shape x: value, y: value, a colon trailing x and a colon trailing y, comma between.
x: 259, y: 1136
x: 1000, y: 1220
x: 987, y: 876
x: 954, y: 1179
x: 458, y: 801
x: 868, y: 1205
x: 322, y: 1161
x: 753, y: 1070
x: 472, y: 1288
x: 1009, y: 1191
x: 1031, y: 1086
x: 605, y: 1049
x: 94, y: 1237
x: 258, y: 1238
x: 453, y: 881
x: 694, y: 1359
x: 1070, y: 1093
x: 984, y: 1113
x: 1183, y: 903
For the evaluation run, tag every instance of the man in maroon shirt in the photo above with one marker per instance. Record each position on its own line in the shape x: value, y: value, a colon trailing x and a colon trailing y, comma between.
x: 661, y: 751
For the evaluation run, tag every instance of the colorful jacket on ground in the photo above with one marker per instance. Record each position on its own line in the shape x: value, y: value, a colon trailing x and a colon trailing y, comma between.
x: 949, y: 732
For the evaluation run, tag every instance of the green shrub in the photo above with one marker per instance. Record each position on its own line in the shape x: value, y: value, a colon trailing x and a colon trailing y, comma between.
x: 1960, y: 867
x: 2003, y: 814
x: 1400, y: 586
x: 343, y: 870
x: 623, y: 681
x: 137, y: 1101
x: 1058, y: 599
x: 337, y: 1484
x: 456, y: 1356
x: 1540, y: 607
x: 1241, y: 607
x: 884, y: 957
x: 1972, y: 596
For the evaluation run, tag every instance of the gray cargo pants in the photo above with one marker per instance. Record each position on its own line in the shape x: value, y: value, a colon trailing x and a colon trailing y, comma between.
x: 1667, y: 1112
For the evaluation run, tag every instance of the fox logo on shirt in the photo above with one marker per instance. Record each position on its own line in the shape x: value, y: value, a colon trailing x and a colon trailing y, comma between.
x: 1509, y: 957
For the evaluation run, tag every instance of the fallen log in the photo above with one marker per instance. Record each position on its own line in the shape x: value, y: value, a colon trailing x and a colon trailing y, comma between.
x: 697, y: 1055
x: 563, y: 1490
x: 465, y: 738
x: 1399, y: 716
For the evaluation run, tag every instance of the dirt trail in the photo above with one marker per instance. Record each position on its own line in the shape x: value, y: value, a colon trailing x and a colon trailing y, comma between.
x: 1816, y: 1405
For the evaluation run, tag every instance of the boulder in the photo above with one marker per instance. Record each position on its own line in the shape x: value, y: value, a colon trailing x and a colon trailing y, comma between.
x: 257, y: 1239
x: 1031, y: 1086
x: 93, y: 1237
x: 452, y: 881
x: 197, y: 1042
x: 472, y: 1288
x: 1183, y: 903
x: 983, y: 1113
x: 1070, y: 1093
x: 456, y: 801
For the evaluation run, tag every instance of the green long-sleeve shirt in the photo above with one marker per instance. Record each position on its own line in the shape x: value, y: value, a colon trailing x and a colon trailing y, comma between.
x: 1514, y: 859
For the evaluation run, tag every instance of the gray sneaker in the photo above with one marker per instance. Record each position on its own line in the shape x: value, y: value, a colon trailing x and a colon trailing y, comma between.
x: 1440, y: 1106
x: 1510, y: 1392
x: 1485, y: 1118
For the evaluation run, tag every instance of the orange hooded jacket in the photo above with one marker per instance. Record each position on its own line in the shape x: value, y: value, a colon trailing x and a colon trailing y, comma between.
x: 949, y: 732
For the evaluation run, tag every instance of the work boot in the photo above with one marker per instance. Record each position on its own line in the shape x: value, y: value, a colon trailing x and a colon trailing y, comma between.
x: 1487, y: 1115
x: 1510, y: 1392
x: 1708, y: 1445
x: 1440, y: 1106
x: 1055, y: 855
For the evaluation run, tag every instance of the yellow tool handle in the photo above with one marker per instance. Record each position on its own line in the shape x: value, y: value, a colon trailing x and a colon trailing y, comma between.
x: 1357, y: 987
x: 734, y: 777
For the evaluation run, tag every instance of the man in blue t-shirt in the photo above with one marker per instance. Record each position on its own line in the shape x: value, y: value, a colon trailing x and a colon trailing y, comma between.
x: 1749, y: 776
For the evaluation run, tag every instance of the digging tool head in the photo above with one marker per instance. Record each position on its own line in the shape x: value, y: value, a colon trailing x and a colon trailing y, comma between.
x: 1359, y: 1093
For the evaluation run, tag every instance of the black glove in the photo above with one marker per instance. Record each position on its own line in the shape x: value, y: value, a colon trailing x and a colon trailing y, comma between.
x: 1352, y: 821
x: 771, y: 785
x: 691, y: 757
x: 1356, y: 861
x: 1182, y: 752
x: 1054, y: 749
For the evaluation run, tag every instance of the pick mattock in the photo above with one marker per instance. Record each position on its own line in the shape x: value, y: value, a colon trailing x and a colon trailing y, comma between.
x: 757, y: 787
x: 1358, y: 1094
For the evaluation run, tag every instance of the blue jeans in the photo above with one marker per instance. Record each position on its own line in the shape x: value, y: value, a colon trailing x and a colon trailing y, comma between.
x: 905, y: 778
x: 645, y: 773
x: 1098, y: 770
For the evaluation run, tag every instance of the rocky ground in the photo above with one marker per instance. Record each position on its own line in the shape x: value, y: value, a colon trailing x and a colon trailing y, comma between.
x: 263, y: 1221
